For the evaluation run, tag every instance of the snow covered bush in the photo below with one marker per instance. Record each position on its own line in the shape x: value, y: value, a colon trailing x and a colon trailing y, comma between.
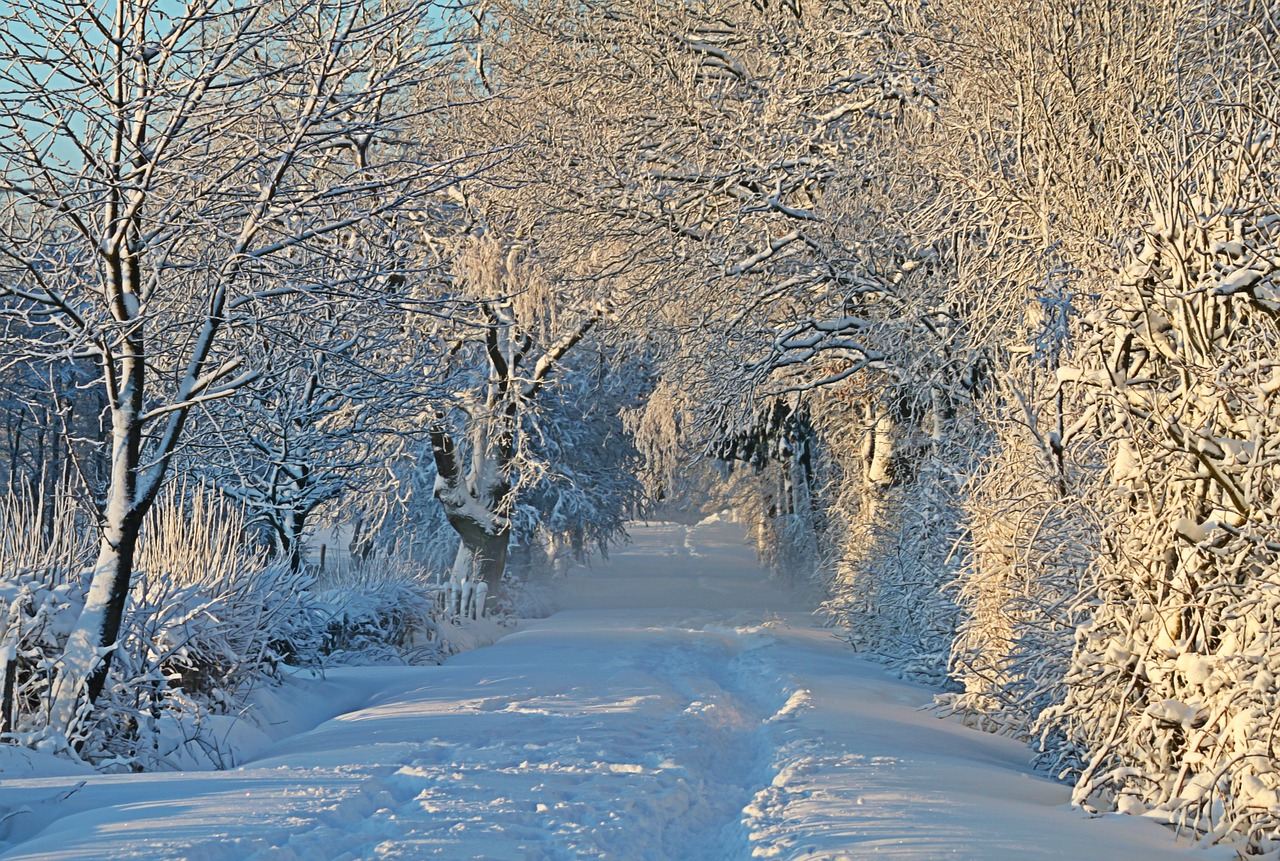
x: 890, y: 589
x: 777, y: 447
x: 379, y: 610
x: 1032, y: 527
x: 44, y: 547
x: 210, y: 618
x: 1171, y: 690
x: 897, y: 521
x: 1030, y: 546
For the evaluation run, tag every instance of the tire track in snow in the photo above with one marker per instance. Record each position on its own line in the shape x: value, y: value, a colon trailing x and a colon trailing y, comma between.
x: 718, y: 732
x: 652, y: 764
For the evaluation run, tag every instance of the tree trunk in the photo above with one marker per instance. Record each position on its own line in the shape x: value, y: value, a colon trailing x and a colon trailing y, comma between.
x: 295, y: 522
x: 482, y: 556
x: 82, y: 672
x: 490, y: 559
x: 475, y: 502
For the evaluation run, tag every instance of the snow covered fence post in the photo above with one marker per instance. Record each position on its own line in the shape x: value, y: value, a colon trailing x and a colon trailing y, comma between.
x: 9, y: 667
x: 165, y: 170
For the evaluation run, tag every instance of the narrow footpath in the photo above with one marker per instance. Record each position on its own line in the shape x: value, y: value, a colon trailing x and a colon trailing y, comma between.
x: 678, y: 708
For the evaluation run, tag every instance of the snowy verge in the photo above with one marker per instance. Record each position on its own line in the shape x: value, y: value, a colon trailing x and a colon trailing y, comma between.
x: 859, y: 766
x: 302, y: 700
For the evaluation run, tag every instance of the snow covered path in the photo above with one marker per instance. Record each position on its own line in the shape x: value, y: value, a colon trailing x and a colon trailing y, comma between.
x: 620, y: 728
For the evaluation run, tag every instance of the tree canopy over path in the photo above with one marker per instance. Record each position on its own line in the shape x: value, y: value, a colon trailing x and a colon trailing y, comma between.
x: 969, y: 310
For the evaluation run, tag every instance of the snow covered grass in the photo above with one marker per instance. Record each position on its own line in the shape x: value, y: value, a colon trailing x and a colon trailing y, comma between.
x: 217, y: 611
x: 210, y: 626
x: 381, y: 610
x: 43, y: 549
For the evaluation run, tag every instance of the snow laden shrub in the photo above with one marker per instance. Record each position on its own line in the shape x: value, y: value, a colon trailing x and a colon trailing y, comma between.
x: 1031, y: 542
x: 209, y: 619
x: 1032, y: 528
x: 382, y: 610
x: 906, y: 438
x: 791, y: 544
x: 44, y: 548
x: 1171, y: 691
x: 890, y: 593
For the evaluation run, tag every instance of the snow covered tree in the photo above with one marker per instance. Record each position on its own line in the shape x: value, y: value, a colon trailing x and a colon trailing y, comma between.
x: 1176, y: 661
x: 500, y: 364
x: 1115, y: 511
x: 341, y: 387
x: 717, y: 134
x: 163, y: 167
x: 584, y: 459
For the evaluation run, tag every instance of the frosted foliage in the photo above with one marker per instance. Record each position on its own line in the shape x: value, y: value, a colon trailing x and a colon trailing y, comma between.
x: 790, y: 541
x: 906, y: 440
x: 584, y: 461
x: 43, y: 551
x: 1171, y: 692
x: 495, y: 272
x: 889, y: 589
x: 789, y: 546
x: 1030, y: 548
x: 659, y: 428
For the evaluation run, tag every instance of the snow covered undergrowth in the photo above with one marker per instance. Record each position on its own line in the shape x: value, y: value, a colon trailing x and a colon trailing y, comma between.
x: 727, y: 726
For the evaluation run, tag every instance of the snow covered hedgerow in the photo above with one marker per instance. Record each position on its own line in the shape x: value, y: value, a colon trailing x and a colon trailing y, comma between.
x: 1031, y: 542
x: 890, y: 589
x: 1170, y: 696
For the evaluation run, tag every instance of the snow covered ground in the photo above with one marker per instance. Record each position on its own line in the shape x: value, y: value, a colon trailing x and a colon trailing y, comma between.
x: 679, y: 707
